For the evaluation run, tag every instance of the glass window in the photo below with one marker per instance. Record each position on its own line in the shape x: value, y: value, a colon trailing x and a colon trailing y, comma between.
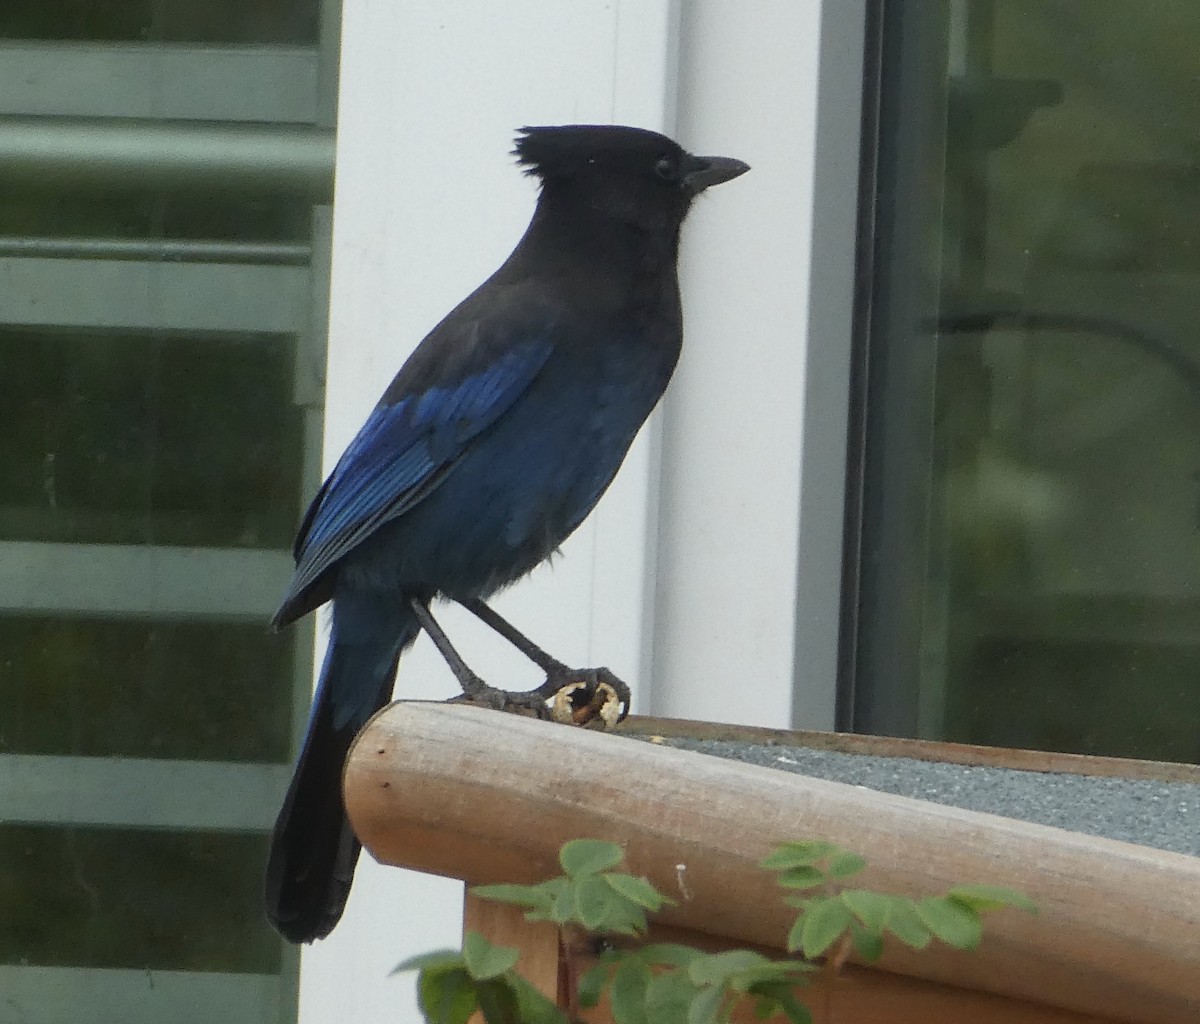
x: 1026, y: 517
x: 218, y: 21
x: 164, y: 240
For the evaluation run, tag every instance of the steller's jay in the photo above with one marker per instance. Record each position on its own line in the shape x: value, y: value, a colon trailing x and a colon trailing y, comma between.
x: 491, y: 445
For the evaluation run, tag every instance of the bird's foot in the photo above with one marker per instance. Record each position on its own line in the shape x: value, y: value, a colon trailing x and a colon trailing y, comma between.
x: 592, y: 697
x: 531, y: 703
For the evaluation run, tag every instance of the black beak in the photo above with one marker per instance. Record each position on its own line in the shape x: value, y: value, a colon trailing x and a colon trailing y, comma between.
x: 700, y: 172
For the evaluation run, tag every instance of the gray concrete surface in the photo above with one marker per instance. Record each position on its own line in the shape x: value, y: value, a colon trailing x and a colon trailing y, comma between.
x: 1165, y: 815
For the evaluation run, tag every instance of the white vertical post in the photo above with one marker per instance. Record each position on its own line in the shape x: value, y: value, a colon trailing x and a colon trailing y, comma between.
x: 427, y: 204
x: 756, y: 419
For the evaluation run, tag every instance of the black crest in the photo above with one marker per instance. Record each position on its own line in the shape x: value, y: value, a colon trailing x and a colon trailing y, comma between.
x: 563, y: 151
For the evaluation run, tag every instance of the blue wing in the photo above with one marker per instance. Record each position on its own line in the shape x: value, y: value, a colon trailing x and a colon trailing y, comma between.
x: 403, y: 451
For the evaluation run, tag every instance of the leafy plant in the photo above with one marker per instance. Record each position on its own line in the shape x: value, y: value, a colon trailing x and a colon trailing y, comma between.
x: 834, y: 919
x: 452, y: 985
x: 589, y: 893
x: 675, y: 983
x: 663, y: 983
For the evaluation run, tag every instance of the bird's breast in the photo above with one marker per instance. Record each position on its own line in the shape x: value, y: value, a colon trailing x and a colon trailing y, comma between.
x: 525, y: 484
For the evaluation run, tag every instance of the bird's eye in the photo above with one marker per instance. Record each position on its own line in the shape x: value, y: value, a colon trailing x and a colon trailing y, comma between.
x: 665, y: 168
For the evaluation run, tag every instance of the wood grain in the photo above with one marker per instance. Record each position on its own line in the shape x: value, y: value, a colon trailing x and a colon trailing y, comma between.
x: 485, y: 797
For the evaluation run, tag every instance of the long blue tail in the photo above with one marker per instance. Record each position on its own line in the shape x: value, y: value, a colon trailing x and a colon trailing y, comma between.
x: 313, y: 850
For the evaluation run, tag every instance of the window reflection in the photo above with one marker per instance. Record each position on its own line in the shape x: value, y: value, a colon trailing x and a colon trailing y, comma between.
x: 1031, y: 505
x: 214, y: 21
x: 161, y: 339
x: 127, y: 898
x: 121, y: 437
x: 92, y: 686
x: 150, y: 214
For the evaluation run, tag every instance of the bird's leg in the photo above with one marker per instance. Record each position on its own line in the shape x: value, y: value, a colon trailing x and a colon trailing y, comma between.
x: 546, y: 662
x: 471, y: 683
x: 558, y: 675
x: 473, y: 687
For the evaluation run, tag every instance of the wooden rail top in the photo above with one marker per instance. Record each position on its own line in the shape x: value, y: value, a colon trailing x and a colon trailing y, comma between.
x: 486, y: 797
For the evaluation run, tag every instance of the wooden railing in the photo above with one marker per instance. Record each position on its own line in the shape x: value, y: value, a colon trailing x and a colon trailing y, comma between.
x: 484, y: 797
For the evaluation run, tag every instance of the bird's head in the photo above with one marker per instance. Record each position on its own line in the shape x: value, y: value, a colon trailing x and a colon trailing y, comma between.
x: 631, y: 174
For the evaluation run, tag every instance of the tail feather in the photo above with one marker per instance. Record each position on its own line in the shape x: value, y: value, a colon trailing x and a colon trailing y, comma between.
x: 313, y: 849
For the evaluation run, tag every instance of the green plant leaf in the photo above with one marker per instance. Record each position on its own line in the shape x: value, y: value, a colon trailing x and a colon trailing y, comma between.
x: 619, y: 916
x: 820, y: 927
x: 766, y: 1007
x: 795, y: 936
x: 538, y: 899
x: 791, y: 972
x: 483, y: 960
x: 533, y: 1007
x: 590, y: 986
x: 803, y: 877
x: 597, y: 905
x: 705, y: 1007
x: 521, y: 895
x: 797, y: 854
x: 773, y: 998
x: 627, y: 994
x: 636, y: 890
x: 867, y: 944
x: 562, y: 907
x: 668, y: 997
x: 871, y: 908
x: 633, y: 924
x: 843, y: 864
x: 991, y: 897
x: 906, y: 924
x: 436, y: 960
x: 667, y: 954
x: 446, y: 996
x: 589, y: 856
x: 498, y: 1002
x: 718, y: 968
x: 954, y: 923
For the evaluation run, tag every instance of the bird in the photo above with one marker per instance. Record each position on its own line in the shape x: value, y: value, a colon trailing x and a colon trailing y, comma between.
x: 493, y: 442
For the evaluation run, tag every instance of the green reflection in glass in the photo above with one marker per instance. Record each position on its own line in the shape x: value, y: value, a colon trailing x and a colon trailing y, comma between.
x: 193, y: 21
x: 1086, y: 696
x: 143, y: 214
x: 124, y: 898
x: 126, y: 438
x: 202, y: 690
x: 1032, y: 522
x: 152, y: 438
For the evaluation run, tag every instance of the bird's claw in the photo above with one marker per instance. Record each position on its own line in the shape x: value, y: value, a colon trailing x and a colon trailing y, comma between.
x: 593, y: 698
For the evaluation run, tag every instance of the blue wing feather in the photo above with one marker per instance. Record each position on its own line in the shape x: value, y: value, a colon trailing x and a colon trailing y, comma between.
x: 403, y: 451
